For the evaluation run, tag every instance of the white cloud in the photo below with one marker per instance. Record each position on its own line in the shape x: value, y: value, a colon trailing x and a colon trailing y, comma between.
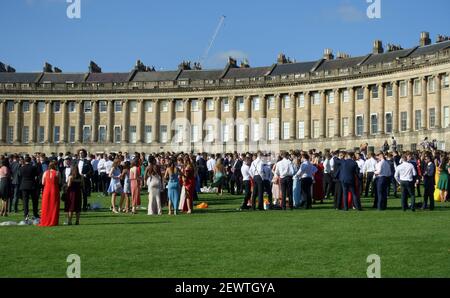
x: 349, y: 13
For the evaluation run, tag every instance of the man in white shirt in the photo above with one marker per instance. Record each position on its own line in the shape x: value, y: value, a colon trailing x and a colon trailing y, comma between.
x: 327, y: 178
x: 369, y: 172
x: 108, y: 167
x: 245, y: 170
x: 382, y: 174
x: 101, y: 167
x: 210, y: 164
x: 285, y: 171
x: 404, y: 174
x: 360, y: 162
x: 257, y: 173
x: 95, y: 177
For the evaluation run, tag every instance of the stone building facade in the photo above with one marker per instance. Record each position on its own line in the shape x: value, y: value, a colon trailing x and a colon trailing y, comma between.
x: 334, y: 102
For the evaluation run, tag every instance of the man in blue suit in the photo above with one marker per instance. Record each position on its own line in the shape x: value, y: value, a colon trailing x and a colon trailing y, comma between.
x: 348, y: 173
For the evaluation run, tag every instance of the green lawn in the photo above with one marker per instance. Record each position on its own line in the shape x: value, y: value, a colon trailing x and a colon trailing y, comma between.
x: 223, y: 242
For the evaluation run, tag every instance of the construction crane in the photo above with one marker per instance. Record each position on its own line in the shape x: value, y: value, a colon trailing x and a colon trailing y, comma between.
x: 211, y: 42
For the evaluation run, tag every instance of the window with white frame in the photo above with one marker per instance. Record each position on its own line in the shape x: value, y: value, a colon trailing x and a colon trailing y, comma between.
x: 179, y: 105
x: 431, y: 85
x: 10, y: 134
x: 418, y: 119
x: 255, y: 132
x: 301, y: 100
x: 72, y: 134
x: 132, y: 135
x: 271, y: 102
x: 163, y: 133
x: 87, y: 106
x: 241, y: 107
x: 271, y: 131
x: 301, y: 130
x: 25, y: 135
x: 194, y: 133
x: 389, y: 123
x: 403, y: 121
x: 117, y: 106
x: 56, y: 134
x: 445, y: 81
x: 286, y: 101
x: 86, y: 133
x: 164, y: 106
x: 256, y: 103
x: 225, y: 132
x: 316, y: 129
x: 345, y: 96
x: 226, y: 105
x: 102, y: 134
x: 432, y: 117
x: 330, y: 96
x: 72, y: 107
x: 345, y: 130
x: 359, y: 125
x: 117, y: 134
x: 446, y: 116
x: 240, y: 133
x: 316, y: 98
x: 210, y: 104
x: 133, y: 106
x: 10, y: 106
x: 360, y: 94
x: 41, y: 107
x: 389, y: 90
x: 417, y: 87
x: 56, y: 107
x: 374, y: 124
x: 148, y: 106
x: 403, y: 89
x: 148, y: 137
x: 330, y: 126
x: 209, y: 133
x: 103, y: 106
x: 41, y: 134
x: 25, y: 106
x: 179, y: 129
x: 374, y: 90
x: 194, y: 105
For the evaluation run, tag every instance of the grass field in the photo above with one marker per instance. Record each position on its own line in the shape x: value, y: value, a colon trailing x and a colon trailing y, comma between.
x: 223, y: 242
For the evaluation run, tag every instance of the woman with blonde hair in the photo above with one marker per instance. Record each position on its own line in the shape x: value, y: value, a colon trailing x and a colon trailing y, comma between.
x: 219, y: 176
x: 115, y: 187
x: 152, y: 178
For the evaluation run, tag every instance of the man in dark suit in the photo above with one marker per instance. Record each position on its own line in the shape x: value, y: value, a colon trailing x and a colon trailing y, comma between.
x: 337, y: 160
x: 428, y: 183
x: 28, y: 184
x: 236, y: 175
x: 347, y: 175
x: 202, y: 169
x: 15, y: 177
x: 86, y: 170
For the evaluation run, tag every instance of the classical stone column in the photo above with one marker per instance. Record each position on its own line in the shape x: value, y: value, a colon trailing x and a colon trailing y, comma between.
x: 33, y: 121
x: 293, y: 116
x: 125, y: 121
x: 218, y: 116
x: 278, y: 124
x: 396, y: 116
x: 307, y: 115
x: 233, y: 115
x: 156, y: 121
x: 49, y: 126
x: 141, y: 122
x: 351, y: 120
x: 424, y: 103
x: 382, y: 94
x: 263, y: 119
x: 411, y: 104
x: 248, y: 115
x: 79, y: 127
x: 2, y: 121
x: 64, y: 122
x: 323, y: 114
x: 202, y: 102
x: 438, y: 88
x: 366, y: 110
x: 171, y: 118
x: 95, y: 121
x: 18, y: 122
x: 337, y: 113
x: 187, y: 117
x: 110, y: 127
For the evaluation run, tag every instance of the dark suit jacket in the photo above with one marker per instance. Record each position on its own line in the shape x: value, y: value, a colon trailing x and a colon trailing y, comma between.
x: 348, y: 170
x: 29, y: 174
x: 237, y: 168
x: 15, y: 172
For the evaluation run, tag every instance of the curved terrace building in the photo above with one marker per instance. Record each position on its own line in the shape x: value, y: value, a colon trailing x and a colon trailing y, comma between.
x: 334, y: 102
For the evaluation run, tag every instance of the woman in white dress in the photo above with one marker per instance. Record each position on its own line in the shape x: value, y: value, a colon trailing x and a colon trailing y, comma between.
x: 153, y: 181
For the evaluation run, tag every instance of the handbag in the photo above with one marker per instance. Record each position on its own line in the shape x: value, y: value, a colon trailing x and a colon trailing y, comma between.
x: 118, y: 187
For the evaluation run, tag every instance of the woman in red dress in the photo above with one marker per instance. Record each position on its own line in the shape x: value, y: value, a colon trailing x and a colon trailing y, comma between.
x: 188, y: 184
x: 318, y: 193
x: 50, y: 197
x: 135, y: 179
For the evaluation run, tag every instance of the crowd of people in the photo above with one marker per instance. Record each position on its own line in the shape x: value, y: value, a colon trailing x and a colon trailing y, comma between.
x: 287, y: 180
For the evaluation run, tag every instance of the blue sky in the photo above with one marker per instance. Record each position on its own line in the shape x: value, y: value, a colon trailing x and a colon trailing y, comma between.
x: 116, y: 33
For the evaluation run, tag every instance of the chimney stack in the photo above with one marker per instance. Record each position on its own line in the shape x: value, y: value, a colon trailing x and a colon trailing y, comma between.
x: 341, y: 55
x: 232, y: 62
x: 244, y: 63
x: 425, y: 39
x: 2, y: 67
x: 94, y: 68
x: 328, y: 54
x: 378, y: 47
x: 57, y: 70
x: 48, y: 67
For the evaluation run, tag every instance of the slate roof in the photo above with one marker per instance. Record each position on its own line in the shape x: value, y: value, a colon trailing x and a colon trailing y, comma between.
x: 63, y: 77
x: 110, y: 77
x: 22, y: 77
x: 293, y: 68
x: 155, y: 76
